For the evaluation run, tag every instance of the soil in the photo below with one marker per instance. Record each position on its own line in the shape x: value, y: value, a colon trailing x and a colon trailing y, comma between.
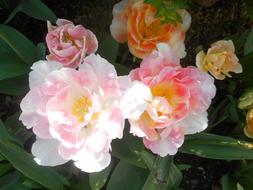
x: 208, y: 25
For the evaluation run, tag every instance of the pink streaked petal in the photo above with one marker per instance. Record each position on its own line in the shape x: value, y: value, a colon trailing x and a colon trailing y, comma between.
x: 67, y: 139
x: 41, y: 129
x: 62, y: 22
x: 66, y: 52
x: 77, y: 32
x: 134, y: 74
x: 142, y: 128
x: 168, y: 143
x: 91, y: 43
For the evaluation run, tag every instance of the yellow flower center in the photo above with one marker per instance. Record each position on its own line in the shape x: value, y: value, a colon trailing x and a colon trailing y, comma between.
x: 81, y: 107
x: 209, y: 65
x: 165, y: 90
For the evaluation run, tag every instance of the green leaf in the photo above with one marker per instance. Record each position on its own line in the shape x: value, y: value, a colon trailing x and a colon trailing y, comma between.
x: 1, y: 158
x: 5, y: 4
x: 246, y: 99
x: 244, y: 176
x: 228, y: 183
x: 168, y: 10
x: 127, y: 177
x: 35, y: 9
x: 164, y: 175
x: 24, y: 163
x: 3, y: 132
x: 98, y: 179
x: 217, y: 147
x: 239, y: 40
x: 247, y: 66
x: 183, y: 166
x: 31, y: 184
x: 248, y: 9
x: 12, y: 181
x: 239, y: 187
x: 5, y: 168
x: 148, y: 158
x: 11, y: 66
x: 82, y: 183
x: 108, y: 49
x: 23, y: 47
x: 40, y: 51
x: 248, y: 46
x: 121, y: 69
x: 16, y: 86
x: 17, y: 130
x: 129, y: 149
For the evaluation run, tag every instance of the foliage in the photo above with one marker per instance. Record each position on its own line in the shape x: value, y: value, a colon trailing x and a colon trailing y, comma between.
x: 132, y: 167
x: 168, y: 10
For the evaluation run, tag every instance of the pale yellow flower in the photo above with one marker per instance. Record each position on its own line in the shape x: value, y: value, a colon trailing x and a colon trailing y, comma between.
x: 219, y: 60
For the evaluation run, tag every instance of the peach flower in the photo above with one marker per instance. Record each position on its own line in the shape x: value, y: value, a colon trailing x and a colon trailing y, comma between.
x: 75, y: 114
x: 135, y: 22
x: 176, y: 101
x: 219, y: 60
x: 68, y: 44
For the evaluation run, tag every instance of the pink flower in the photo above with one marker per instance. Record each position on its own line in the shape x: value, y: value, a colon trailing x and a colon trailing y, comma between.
x: 219, y: 60
x: 68, y: 44
x: 135, y: 22
x: 75, y: 114
x: 177, y: 103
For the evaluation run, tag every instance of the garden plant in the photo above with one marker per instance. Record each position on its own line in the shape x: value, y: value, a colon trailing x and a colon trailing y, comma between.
x: 126, y: 94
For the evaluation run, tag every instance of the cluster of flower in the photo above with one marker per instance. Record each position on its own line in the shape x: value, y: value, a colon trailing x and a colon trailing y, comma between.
x: 77, y: 104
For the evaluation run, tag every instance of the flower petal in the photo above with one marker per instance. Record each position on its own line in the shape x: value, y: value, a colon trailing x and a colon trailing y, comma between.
x: 46, y: 152
x: 134, y: 101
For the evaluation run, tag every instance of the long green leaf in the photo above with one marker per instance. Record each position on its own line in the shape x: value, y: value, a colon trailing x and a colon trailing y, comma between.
x: 247, y: 66
x: 98, y: 179
x: 228, y: 183
x: 11, y: 66
x: 248, y: 47
x: 129, y: 149
x: 3, y: 132
x: 35, y: 9
x: 109, y: 49
x: 12, y: 181
x: 148, y: 158
x: 217, y: 147
x: 24, y: 163
x: 244, y: 176
x: 23, y: 47
x: 17, y: 130
x: 16, y: 86
x: 127, y: 177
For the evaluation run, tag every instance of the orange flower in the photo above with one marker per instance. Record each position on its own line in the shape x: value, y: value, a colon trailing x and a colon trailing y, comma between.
x: 248, y: 131
x: 135, y: 22
x: 219, y: 60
